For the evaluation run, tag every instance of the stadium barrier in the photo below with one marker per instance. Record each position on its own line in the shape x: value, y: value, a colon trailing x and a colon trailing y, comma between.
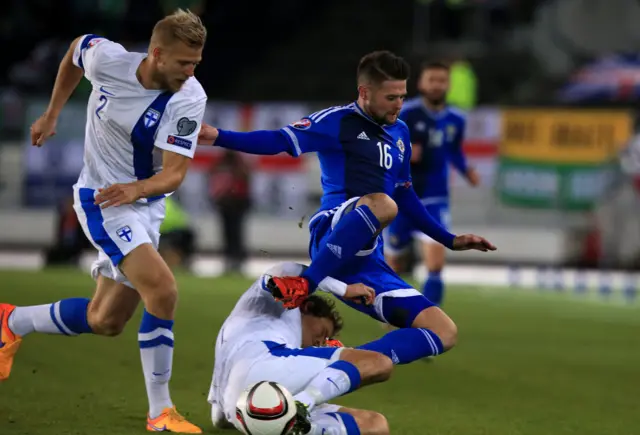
x: 589, y: 285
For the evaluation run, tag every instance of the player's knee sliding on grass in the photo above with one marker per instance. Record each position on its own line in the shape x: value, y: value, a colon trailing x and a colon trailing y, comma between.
x: 151, y: 102
x: 368, y: 422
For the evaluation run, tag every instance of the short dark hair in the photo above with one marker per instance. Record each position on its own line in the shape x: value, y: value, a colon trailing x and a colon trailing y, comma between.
x: 379, y: 66
x: 433, y: 64
x: 321, y: 307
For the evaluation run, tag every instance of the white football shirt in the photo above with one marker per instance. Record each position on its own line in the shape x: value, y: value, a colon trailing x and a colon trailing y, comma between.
x: 129, y: 126
x: 257, y: 316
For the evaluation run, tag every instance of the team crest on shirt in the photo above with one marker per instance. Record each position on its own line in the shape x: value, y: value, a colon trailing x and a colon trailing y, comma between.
x: 400, y: 146
x: 420, y: 126
x: 303, y: 124
x: 151, y: 118
x: 125, y: 233
x: 451, y: 132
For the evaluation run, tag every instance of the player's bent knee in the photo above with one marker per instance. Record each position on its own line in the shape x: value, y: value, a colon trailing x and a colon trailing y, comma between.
x: 373, y: 366
x: 382, y: 206
x: 449, y: 336
x: 377, y: 424
x: 159, y: 293
x: 437, y: 321
x: 153, y: 279
x: 106, y: 325
x: 163, y: 300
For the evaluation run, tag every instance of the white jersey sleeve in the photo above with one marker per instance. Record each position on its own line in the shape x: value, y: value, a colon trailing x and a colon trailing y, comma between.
x: 93, y: 52
x: 181, y: 123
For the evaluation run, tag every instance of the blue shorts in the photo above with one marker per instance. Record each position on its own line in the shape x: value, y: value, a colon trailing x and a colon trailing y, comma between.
x: 399, y: 235
x: 397, y: 302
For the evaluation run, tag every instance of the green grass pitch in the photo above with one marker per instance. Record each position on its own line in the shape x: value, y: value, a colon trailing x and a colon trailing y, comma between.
x: 526, y: 364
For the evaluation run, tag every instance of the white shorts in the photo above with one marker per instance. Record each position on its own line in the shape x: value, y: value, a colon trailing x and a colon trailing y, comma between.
x: 260, y: 361
x: 116, y: 231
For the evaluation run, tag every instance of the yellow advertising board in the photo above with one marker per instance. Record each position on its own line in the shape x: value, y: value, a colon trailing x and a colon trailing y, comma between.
x: 564, y: 136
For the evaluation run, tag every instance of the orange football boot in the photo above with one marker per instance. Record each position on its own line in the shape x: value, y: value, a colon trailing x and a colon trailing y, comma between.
x: 290, y: 290
x: 333, y: 342
x: 171, y: 421
x: 9, y: 342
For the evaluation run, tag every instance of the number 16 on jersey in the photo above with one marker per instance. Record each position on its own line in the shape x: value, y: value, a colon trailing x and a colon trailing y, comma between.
x: 386, y: 158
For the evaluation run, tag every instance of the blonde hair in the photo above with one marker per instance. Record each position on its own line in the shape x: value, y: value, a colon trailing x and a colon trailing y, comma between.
x: 183, y: 26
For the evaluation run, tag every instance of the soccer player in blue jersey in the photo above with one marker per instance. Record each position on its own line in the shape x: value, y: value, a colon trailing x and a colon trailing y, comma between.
x: 364, y: 152
x: 437, y: 133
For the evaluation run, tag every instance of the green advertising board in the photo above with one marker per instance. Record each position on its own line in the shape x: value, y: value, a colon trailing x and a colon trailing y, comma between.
x: 561, y: 186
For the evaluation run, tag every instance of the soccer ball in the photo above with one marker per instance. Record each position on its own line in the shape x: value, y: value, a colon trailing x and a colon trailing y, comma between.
x: 266, y: 408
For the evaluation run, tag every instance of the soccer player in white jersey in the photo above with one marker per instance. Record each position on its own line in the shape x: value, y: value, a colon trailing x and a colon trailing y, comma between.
x: 261, y: 340
x: 143, y: 118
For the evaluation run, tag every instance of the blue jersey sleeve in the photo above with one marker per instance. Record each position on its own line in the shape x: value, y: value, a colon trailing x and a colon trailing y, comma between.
x: 317, y: 132
x: 456, y: 154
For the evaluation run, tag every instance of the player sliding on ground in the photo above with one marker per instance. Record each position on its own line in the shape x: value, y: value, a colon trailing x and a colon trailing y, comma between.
x: 364, y: 152
x: 261, y: 340
x: 143, y: 119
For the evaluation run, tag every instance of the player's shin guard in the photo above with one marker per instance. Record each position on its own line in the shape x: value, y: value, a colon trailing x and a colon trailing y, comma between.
x: 352, y: 234
x: 156, y: 350
x: 407, y: 345
x: 338, y: 379
x: 433, y: 288
x: 339, y: 423
x: 67, y: 317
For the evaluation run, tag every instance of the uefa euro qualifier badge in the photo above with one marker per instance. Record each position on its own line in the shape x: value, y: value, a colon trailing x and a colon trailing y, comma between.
x: 400, y: 146
x: 303, y: 124
x: 186, y: 126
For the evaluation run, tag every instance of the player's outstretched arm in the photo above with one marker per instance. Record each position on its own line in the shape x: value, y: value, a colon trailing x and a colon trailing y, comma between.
x: 174, y: 169
x: 68, y: 78
x: 261, y: 142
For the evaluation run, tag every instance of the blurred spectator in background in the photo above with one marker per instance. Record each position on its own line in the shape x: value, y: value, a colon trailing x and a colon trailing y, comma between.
x: 70, y: 240
x: 177, y: 237
x: 229, y: 191
x: 463, y: 85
